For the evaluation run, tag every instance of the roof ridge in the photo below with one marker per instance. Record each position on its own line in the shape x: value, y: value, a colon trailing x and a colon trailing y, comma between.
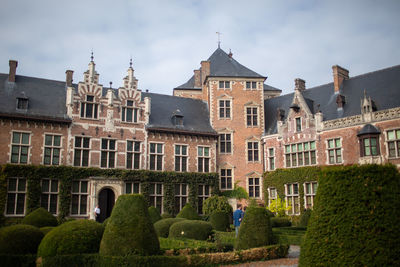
x: 37, y: 78
x: 374, y: 71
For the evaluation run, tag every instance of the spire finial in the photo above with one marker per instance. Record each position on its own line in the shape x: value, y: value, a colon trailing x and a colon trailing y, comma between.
x: 91, y: 57
x: 110, y: 85
x: 219, y: 39
x: 130, y: 62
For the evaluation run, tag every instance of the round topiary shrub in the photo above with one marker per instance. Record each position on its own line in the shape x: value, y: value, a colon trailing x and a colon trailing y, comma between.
x: 304, y: 218
x: 162, y: 226
x: 188, y: 212
x: 355, y: 218
x: 216, y: 203
x: 255, y: 229
x: 129, y: 229
x: 280, y: 222
x: 40, y: 218
x: 45, y: 230
x: 192, y: 229
x: 166, y: 215
x: 219, y: 220
x: 154, y: 214
x: 20, y: 239
x: 74, y: 237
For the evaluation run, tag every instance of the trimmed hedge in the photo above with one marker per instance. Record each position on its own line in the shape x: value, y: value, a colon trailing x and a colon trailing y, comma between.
x: 355, y: 218
x: 166, y: 215
x: 20, y: 239
x: 74, y: 237
x: 193, y: 229
x: 188, y: 212
x: 289, y: 235
x: 220, y: 221
x: 40, y: 218
x: 216, y: 203
x: 18, y: 260
x: 129, y: 229
x: 280, y: 222
x: 162, y: 226
x: 154, y: 214
x: 304, y: 218
x: 45, y: 230
x: 255, y: 229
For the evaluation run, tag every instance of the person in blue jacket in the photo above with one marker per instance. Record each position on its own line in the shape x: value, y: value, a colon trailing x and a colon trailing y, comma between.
x: 237, y: 218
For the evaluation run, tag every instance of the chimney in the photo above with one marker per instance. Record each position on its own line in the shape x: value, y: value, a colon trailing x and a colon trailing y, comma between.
x: 197, y: 78
x: 68, y: 78
x: 230, y: 54
x: 13, y: 70
x: 205, y: 70
x: 339, y: 75
x: 299, y: 85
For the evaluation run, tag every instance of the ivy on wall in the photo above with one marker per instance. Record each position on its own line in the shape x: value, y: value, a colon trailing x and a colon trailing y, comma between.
x: 66, y: 174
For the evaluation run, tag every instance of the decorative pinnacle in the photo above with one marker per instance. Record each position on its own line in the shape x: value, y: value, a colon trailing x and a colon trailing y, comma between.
x: 91, y: 57
x: 110, y: 85
x: 130, y: 63
x: 219, y: 38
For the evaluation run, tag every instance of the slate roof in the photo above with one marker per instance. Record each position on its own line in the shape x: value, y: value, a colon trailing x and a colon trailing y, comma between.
x: 383, y: 86
x: 271, y: 88
x: 368, y: 129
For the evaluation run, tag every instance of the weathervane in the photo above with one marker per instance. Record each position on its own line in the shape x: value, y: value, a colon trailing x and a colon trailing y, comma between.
x: 219, y: 38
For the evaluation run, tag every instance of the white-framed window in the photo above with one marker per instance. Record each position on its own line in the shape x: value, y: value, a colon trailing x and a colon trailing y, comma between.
x: 181, y: 157
x: 156, y: 156
x: 132, y: 188
x: 129, y: 113
x: 52, y: 149
x: 49, y: 197
x: 79, y: 199
x: 108, y: 152
x: 181, y: 197
x: 224, y: 109
x: 252, y: 116
x: 292, y: 198
x: 225, y: 143
x: 272, y: 194
x: 298, y: 124
x: 310, y: 189
x: 252, y: 151
x: 133, y: 153
x: 204, y: 192
x: 271, y: 159
x: 254, y: 187
x: 251, y: 85
x: 20, y: 147
x: 89, y: 108
x: 393, y: 142
x: 224, y: 85
x: 334, y: 151
x: 203, y: 159
x: 156, y: 196
x: 226, y: 179
x: 301, y: 154
x: 16, y: 192
x: 81, y: 151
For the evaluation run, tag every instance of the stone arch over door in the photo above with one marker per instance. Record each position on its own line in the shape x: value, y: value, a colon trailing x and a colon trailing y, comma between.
x: 107, y: 187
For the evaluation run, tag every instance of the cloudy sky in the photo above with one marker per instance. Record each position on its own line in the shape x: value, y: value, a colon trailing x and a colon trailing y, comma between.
x: 167, y: 40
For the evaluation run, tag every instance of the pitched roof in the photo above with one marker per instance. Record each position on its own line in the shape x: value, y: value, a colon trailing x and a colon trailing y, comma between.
x: 383, y: 86
x: 271, y: 88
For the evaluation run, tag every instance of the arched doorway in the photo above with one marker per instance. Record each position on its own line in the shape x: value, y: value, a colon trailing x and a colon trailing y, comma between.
x: 106, y: 203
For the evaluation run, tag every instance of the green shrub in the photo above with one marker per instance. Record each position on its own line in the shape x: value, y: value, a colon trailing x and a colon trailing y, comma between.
x: 129, y: 229
x: 187, y: 246
x: 216, y: 203
x: 162, y: 226
x: 304, y: 218
x: 105, y: 222
x: 28, y: 260
x: 154, y: 214
x: 280, y: 222
x: 40, y: 218
x: 193, y: 229
x: 255, y: 229
x: 355, y: 218
x: 289, y: 235
x: 188, y: 212
x: 45, y: 230
x: 20, y: 239
x: 166, y: 215
x: 270, y: 213
x: 219, y: 220
x: 74, y: 237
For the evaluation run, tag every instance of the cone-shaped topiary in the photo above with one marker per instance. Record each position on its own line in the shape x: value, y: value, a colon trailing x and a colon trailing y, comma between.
x: 188, y: 212
x: 219, y: 220
x: 355, y: 218
x: 20, y: 239
x: 74, y: 237
x: 40, y: 218
x: 154, y: 214
x: 129, y: 229
x: 255, y: 229
x: 193, y: 229
x: 162, y: 226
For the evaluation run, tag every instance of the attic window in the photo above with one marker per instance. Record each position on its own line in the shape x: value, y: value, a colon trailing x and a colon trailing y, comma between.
x: 22, y: 103
x: 177, y: 118
x: 295, y: 107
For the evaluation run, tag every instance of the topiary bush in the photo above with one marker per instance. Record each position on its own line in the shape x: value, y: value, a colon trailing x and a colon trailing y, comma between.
x: 129, y: 230
x: 74, y: 237
x: 162, y: 226
x: 192, y: 229
x: 166, y: 215
x: 219, y: 221
x: 20, y: 239
x: 188, y: 212
x: 255, y: 229
x: 45, y: 230
x: 216, y: 203
x: 304, y: 218
x: 40, y: 218
x: 154, y: 214
x: 280, y: 222
x: 355, y: 218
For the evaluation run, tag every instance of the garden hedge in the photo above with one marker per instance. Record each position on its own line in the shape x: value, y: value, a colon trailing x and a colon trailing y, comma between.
x: 192, y: 229
x: 188, y: 212
x: 220, y: 221
x: 129, y: 229
x: 304, y: 218
x: 154, y: 214
x: 162, y: 226
x: 355, y: 218
x: 45, y: 230
x: 216, y: 203
x: 20, y: 239
x: 280, y: 222
x: 40, y: 218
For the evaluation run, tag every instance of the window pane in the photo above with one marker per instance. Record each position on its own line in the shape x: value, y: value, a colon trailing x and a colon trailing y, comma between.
x: 25, y: 138
x: 338, y: 143
x: 86, y: 142
x: 104, y: 143
x: 57, y: 140
x: 20, y: 204
x: 128, y: 188
x: 152, y: 148
x: 83, y: 204
x: 112, y: 145
x: 21, y: 185
x: 74, y: 205
x: 45, y: 185
x: 53, y: 204
x: 16, y: 138
x: 330, y: 143
x: 312, y: 145
x: 159, y: 148
x: 84, y: 186
x: 48, y: 141
x: 12, y: 184
x: 75, y: 187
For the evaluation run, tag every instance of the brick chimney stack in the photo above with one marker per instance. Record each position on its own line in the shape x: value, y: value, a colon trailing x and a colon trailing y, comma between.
x: 13, y: 70
x: 339, y: 75
x: 197, y: 78
x: 68, y: 78
x: 299, y: 84
x: 205, y: 70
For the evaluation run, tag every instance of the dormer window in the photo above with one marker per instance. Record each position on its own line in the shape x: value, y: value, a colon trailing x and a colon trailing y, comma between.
x: 22, y: 103
x: 177, y: 118
x: 89, y: 108
x: 298, y: 125
x: 369, y: 141
x: 129, y: 114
